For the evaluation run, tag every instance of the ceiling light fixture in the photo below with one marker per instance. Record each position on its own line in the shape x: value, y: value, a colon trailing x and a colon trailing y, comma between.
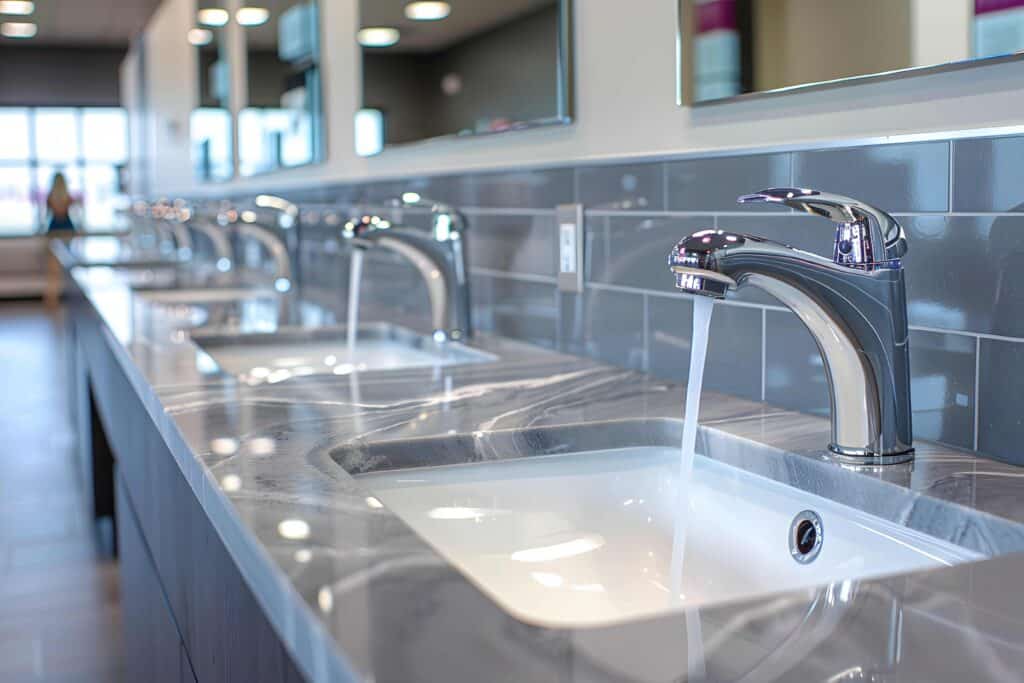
x: 21, y: 7
x: 252, y: 16
x: 378, y: 36
x: 200, y: 36
x: 427, y: 11
x: 213, y: 16
x: 18, y: 29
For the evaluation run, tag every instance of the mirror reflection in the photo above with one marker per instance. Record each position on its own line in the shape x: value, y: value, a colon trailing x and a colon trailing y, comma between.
x: 735, y: 47
x: 460, y: 67
x: 281, y: 124
x: 210, y: 123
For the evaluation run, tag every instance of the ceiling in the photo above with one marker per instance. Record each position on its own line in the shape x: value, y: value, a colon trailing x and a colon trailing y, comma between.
x: 468, y: 18
x: 85, y: 22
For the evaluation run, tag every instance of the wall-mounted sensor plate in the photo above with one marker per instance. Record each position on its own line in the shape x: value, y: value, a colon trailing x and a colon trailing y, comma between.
x: 569, y: 218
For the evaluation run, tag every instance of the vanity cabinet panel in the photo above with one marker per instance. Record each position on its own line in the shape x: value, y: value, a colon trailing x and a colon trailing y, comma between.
x: 154, y: 650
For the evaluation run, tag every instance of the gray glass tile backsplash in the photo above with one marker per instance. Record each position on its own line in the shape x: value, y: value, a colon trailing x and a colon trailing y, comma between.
x: 957, y: 200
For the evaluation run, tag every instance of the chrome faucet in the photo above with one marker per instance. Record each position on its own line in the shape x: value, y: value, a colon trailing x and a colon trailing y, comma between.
x: 854, y: 305
x: 439, y: 255
x: 246, y: 224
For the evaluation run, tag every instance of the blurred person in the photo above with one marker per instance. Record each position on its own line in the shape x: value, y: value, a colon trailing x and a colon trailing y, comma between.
x: 59, y: 203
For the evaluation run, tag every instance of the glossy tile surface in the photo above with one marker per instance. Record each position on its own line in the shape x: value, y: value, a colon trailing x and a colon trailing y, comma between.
x: 985, y: 175
x: 733, y: 364
x: 516, y: 244
x: 714, y: 184
x: 1001, y: 402
x: 526, y: 311
x: 899, y: 178
x: 632, y: 251
x: 966, y: 273
x: 630, y: 187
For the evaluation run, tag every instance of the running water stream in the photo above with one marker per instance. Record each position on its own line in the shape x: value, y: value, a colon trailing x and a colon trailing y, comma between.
x: 355, y: 276
x: 702, y: 309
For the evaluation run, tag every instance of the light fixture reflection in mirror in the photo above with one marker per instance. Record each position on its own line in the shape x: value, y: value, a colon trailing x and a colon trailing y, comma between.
x: 252, y: 16
x: 378, y: 36
x: 213, y: 16
x: 424, y: 10
x: 200, y: 36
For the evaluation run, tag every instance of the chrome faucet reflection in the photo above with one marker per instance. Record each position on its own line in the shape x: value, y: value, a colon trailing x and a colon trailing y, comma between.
x: 438, y: 254
x: 854, y: 305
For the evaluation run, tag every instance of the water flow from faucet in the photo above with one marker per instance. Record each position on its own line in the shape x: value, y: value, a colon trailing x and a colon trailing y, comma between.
x: 355, y: 276
x: 703, y: 307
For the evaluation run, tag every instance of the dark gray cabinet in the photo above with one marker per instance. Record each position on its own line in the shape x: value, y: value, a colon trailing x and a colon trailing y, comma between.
x: 188, y: 613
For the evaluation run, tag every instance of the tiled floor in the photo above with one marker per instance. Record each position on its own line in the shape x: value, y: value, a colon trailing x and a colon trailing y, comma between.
x: 59, y: 612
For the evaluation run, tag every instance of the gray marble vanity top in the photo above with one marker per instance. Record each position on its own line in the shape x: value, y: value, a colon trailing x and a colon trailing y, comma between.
x: 362, y: 597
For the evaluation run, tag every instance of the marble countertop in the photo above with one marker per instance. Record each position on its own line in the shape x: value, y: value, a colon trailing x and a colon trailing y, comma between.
x: 362, y: 597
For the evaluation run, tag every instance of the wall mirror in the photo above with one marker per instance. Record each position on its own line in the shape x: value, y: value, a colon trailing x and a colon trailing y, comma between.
x: 732, y: 48
x: 461, y: 67
x: 210, y: 123
x: 281, y: 123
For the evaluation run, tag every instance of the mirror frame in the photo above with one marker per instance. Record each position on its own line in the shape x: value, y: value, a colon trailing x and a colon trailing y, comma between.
x: 685, y: 100
x: 566, y: 95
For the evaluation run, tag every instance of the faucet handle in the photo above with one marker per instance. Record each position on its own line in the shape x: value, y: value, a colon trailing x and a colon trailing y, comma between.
x: 865, y: 235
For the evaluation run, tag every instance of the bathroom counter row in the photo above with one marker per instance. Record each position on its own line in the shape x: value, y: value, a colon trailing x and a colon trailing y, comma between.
x: 355, y: 594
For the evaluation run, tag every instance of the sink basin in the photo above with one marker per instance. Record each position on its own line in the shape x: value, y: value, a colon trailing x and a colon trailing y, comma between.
x: 274, y: 356
x: 243, y: 309
x: 577, y: 526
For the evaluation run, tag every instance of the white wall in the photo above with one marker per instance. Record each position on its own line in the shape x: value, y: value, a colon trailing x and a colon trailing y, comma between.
x: 162, y: 142
x: 625, y: 87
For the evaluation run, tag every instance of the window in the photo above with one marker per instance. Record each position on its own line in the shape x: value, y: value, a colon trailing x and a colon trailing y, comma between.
x: 88, y: 145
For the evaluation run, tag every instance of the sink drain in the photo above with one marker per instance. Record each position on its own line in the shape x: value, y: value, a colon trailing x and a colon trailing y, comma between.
x: 806, y: 534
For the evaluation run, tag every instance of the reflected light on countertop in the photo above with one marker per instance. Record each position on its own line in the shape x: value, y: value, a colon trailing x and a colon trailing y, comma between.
x: 231, y: 483
x: 293, y: 529
x: 303, y: 555
x: 224, y: 446
x: 325, y: 599
x: 262, y: 446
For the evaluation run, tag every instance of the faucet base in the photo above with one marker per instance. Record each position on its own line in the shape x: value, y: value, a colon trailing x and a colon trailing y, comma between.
x: 863, y: 456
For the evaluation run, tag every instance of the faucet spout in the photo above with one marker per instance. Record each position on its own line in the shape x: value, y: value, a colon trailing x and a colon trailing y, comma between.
x: 856, y: 313
x: 438, y: 255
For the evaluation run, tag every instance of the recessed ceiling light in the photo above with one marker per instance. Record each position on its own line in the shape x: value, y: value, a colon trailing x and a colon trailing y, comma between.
x: 378, y: 36
x: 23, y: 7
x: 427, y: 11
x: 252, y: 16
x: 213, y: 16
x: 200, y: 36
x: 17, y: 29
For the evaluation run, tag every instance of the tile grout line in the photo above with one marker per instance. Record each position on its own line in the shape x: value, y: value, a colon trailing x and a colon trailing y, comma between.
x: 977, y: 388
x: 509, y: 275
x: 949, y: 187
x: 665, y: 203
x: 764, y: 353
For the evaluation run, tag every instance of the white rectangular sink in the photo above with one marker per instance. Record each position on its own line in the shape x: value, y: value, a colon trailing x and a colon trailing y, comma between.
x: 290, y: 352
x: 587, y: 538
